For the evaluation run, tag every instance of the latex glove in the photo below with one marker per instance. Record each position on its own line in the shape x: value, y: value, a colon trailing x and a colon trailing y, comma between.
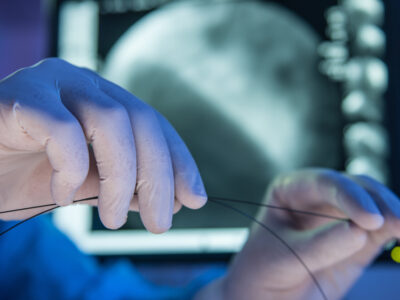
x: 336, y: 252
x: 48, y: 115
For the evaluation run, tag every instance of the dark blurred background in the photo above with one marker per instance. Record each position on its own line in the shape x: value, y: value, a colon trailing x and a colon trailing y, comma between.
x: 237, y: 154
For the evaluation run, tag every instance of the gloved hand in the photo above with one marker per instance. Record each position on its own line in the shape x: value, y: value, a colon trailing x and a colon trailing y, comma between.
x: 48, y: 115
x: 335, y: 251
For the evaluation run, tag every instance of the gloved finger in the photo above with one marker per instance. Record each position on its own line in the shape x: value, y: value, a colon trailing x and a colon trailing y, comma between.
x: 107, y: 126
x: 155, y: 183
x: 386, y: 200
x: 189, y: 187
x: 155, y: 179
x: 322, y: 187
x: 60, y: 134
x: 389, y: 205
x: 330, y: 245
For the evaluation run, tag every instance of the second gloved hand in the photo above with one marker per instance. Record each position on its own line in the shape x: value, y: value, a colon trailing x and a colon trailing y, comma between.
x: 336, y: 252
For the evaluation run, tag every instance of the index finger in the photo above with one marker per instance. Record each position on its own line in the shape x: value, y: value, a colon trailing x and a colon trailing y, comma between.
x: 319, y: 187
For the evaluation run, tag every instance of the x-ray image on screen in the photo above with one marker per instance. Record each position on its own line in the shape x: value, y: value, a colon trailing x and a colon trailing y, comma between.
x: 240, y: 82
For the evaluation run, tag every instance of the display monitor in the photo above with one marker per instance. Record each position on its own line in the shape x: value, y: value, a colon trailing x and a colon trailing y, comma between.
x: 240, y: 81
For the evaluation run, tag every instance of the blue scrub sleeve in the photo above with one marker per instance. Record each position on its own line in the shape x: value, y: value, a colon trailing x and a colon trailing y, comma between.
x: 37, y: 261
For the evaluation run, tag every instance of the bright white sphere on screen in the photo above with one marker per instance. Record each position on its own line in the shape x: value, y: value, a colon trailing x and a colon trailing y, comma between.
x: 368, y: 165
x: 369, y: 39
x: 358, y: 106
x: 369, y: 74
x: 365, y: 138
x: 336, y: 15
x: 364, y: 11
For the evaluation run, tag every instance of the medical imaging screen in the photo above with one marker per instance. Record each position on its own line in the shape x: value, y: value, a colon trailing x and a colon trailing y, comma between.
x: 239, y: 80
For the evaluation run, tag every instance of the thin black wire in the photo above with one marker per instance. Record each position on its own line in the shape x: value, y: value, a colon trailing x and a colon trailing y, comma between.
x: 44, y: 205
x: 217, y: 201
x: 314, y: 214
x: 297, y: 211
x: 54, y: 206
x: 23, y: 221
x: 317, y: 284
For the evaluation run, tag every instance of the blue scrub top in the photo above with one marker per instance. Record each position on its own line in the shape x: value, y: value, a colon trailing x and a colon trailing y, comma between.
x: 37, y: 261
